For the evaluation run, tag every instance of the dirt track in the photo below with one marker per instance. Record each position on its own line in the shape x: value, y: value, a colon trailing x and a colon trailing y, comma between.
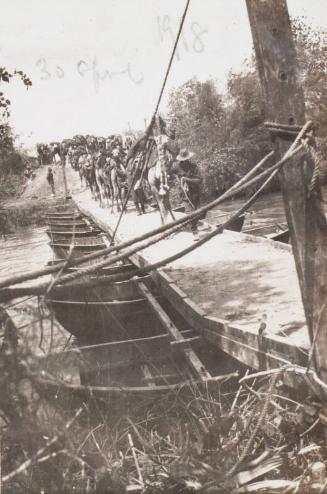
x: 38, y: 188
x: 29, y: 207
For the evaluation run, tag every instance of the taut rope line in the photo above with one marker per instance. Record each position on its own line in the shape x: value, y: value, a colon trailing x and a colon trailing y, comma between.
x: 149, y: 130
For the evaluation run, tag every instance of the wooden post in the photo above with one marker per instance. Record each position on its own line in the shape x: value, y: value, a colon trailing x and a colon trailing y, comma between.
x: 63, y: 165
x: 284, y: 100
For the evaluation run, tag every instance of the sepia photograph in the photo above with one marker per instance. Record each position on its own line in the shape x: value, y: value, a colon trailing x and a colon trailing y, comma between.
x: 163, y: 247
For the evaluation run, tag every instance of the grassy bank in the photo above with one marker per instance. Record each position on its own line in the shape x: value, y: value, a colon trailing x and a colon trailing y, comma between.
x: 28, y: 213
x: 231, y: 438
x: 28, y: 201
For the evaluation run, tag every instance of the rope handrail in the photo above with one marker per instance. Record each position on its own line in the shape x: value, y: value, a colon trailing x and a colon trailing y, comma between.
x: 149, y: 130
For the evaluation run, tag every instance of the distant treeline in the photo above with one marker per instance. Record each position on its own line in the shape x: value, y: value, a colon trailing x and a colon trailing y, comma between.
x: 226, y: 131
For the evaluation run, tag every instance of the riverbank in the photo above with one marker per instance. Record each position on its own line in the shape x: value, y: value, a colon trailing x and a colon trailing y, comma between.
x: 35, y: 197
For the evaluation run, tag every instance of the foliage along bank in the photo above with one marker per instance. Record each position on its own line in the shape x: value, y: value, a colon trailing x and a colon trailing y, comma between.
x: 226, y: 130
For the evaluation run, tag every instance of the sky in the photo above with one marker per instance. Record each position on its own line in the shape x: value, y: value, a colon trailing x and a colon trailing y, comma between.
x: 97, y: 65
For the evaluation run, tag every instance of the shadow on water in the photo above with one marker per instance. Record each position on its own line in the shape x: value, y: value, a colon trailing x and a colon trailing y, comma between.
x: 268, y: 209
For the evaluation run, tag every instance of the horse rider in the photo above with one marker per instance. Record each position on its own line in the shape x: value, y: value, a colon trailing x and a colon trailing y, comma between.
x: 190, y: 184
x: 116, y: 161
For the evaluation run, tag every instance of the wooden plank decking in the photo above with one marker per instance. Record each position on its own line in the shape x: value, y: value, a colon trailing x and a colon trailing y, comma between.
x: 226, y: 288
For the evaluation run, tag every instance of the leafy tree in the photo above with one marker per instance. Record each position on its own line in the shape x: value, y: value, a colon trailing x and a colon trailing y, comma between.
x: 196, y: 112
x: 311, y: 48
x: 6, y: 76
x: 10, y: 160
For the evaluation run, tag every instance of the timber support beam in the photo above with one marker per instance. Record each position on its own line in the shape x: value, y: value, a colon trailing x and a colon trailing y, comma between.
x: 284, y: 101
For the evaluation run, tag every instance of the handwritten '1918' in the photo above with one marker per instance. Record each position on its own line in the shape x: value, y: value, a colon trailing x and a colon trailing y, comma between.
x: 196, y: 34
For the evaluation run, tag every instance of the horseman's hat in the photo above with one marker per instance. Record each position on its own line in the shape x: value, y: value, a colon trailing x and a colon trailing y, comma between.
x: 184, y: 155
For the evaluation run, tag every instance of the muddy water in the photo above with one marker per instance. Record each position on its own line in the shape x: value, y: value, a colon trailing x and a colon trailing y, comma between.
x: 268, y: 209
x: 24, y: 250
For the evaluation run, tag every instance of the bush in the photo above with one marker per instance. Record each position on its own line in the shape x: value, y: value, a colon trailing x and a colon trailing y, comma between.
x: 12, y: 163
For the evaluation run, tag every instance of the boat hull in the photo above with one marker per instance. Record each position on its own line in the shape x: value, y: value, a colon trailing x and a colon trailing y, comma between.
x: 61, y: 234
x: 125, y: 270
x: 63, y: 216
x: 282, y: 236
x: 102, y: 321
x: 67, y: 225
x: 237, y: 224
x: 94, y: 240
x: 62, y: 249
x: 278, y: 233
x: 102, y: 290
x: 131, y: 373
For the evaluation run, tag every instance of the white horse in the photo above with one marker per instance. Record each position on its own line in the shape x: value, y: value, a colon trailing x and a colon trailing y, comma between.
x: 157, y: 175
x: 160, y: 151
x: 100, y: 178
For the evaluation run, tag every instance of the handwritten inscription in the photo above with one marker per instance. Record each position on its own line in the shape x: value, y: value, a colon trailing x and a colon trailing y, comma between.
x: 98, y: 75
x: 190, y: 40
x: 89, y: 68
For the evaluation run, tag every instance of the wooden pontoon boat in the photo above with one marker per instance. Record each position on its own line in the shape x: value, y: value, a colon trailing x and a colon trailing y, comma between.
x: 81, y: 246
x: 236, y: 225
x: 98, y: 313
x: 280, y: 236
x: 66, y: 224
x: 82, y: 241
x: 104, y: 291
x: 61, y: 234
x: 63, y: 216
x: 278, y: 233
x: 122, y: 268
x: 154, y: 356
x: 133, y: 374
x: 72, y: 212
x: 97, y: 321
x: 70, y: 229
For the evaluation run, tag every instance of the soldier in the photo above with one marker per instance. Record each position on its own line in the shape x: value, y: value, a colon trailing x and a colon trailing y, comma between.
x: 28, y: 173
x: 190, y: 183
x: 50, y: 180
